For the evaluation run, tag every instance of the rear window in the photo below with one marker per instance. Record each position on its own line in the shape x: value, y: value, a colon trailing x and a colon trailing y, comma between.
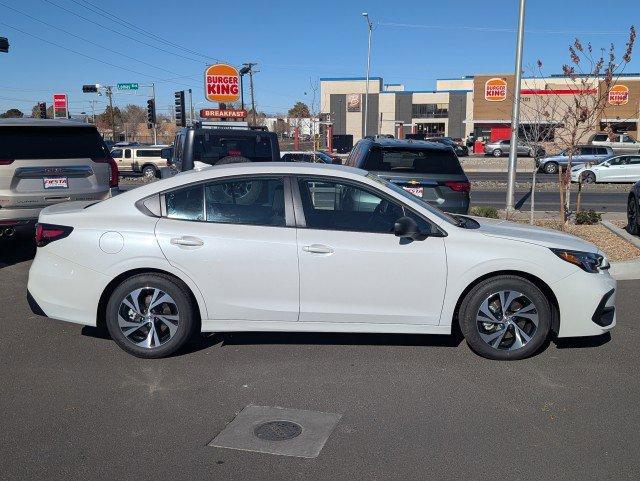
x: 147, y: 153
x: 419, y: 161
x: 209, y: 148
x: 600, y: 138
x: 51, y: 143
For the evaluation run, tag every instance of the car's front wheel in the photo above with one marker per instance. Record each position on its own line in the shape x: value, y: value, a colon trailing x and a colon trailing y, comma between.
x: 497, y: 153
x: 505, y: 317
x: 150, y: 315
x: 150, y: 172
x: 588, y: 177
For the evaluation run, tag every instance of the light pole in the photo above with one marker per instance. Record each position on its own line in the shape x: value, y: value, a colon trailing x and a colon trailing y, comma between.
x: 366, y: 95
x: 515, y: 113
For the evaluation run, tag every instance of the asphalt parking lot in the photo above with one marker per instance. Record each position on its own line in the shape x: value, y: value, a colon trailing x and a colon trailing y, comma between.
x: 413, y: 407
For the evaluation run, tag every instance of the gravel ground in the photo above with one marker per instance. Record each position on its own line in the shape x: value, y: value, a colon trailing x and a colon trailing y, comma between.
x: 492, y: 163
x: 548, y: 186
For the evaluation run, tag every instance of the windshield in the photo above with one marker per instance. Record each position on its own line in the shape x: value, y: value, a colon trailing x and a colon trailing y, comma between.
x: 407, y: 195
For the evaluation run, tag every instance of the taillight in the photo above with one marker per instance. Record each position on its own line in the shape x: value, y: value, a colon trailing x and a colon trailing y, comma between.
x: 458, y: 186
x: 113, y: 167
x: 47, y: 233
x: 6, y: 161
x: 234, y: 153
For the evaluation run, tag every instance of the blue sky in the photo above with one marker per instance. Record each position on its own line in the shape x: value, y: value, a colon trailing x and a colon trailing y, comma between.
x: 294, y: 42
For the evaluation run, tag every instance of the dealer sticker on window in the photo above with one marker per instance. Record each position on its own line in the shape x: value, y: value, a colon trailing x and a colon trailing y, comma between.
x: 56, y: 183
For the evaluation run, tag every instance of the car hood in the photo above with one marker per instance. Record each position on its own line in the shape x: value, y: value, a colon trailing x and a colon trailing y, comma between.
x: 533, y: 235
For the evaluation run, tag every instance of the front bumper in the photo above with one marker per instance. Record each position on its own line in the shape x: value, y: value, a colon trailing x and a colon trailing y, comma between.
x: 583, y: 299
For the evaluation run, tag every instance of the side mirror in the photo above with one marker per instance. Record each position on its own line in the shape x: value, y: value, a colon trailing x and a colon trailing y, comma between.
x: 406, y: 227
x: 166, y: 153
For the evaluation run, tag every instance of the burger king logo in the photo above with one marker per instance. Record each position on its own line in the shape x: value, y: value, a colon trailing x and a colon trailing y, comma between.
x: 495, y: 90
x: 619, y: 95
x: 221, y: 83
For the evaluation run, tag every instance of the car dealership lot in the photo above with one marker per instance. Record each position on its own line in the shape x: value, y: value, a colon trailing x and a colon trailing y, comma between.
x: 77, y: 407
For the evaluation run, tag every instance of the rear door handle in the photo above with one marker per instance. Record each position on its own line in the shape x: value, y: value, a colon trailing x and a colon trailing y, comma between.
x: 187, y: 241
x: 318, y: 249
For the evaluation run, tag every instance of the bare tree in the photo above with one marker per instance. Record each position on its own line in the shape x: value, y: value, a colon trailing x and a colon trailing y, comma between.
x: 589, y: 77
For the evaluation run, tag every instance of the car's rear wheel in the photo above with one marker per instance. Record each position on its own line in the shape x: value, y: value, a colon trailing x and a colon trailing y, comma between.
x: 150, y: 315
x: 588, y: 177
x: 551, y: 168
x: 505, y: 317
x: 632, y: 215
x: 497, y: 153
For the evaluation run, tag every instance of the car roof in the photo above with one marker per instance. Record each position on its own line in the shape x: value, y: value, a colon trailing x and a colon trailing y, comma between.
x: 29, y: 122
x: 407, y: 143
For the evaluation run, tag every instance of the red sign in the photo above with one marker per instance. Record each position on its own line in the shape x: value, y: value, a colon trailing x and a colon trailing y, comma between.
x: 59, y: 101
x: 495, y: 90
x: 219, y: 113
x: 618, y: 95
x: 221, y: 83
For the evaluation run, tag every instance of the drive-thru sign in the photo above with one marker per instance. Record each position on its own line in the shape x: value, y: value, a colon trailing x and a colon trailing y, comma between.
x: 221, y: 83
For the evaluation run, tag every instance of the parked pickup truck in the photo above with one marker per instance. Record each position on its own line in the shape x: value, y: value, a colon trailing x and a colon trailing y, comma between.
x: 620, y: 143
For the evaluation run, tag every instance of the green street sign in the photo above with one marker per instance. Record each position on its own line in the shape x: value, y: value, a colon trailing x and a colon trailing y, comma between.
x: 128, y: 86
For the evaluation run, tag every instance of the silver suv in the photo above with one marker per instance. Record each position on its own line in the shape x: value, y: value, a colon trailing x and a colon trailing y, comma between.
x: 43, y: 162
x: 620, y: 143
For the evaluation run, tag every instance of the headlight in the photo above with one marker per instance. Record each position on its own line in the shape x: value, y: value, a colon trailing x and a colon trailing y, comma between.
x: 587, y: 261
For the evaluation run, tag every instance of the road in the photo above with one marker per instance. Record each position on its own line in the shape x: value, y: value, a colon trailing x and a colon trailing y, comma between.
x: 76, y: 407
x: 549, y: 200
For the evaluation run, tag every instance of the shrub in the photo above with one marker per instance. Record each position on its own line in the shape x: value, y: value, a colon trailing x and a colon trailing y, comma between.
x: 484, y: 211
x: 588, y: 217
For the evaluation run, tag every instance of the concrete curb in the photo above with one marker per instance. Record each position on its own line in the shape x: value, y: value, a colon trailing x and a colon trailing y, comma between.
x: 626, y: 270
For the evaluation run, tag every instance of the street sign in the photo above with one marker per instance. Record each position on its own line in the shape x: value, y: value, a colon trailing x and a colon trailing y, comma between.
x: 60, y: 106
x: 128, y: 86
x: 221, y: 83
x: 220, y: 114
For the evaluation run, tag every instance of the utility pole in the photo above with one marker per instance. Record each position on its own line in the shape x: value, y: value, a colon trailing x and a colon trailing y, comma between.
x: 155, y: 129
x: 515, y: 113
x: 250, y: 66
x: 366, y: 95
x: 192, y: 114
x: 109, y: 93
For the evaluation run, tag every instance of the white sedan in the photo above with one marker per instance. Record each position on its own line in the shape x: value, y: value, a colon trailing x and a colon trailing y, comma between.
x: 309, y: 247
x: 622, y: 169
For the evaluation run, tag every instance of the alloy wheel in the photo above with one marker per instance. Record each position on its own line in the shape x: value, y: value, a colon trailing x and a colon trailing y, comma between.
x: 497, y: 153
x: 507, y: 320
x: 589, y: 178
x: 551, y: 168
x: 148, y: 317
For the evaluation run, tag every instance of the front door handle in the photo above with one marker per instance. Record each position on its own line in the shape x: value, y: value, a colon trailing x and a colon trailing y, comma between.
x: 318, y: 249
x: 187, y: 241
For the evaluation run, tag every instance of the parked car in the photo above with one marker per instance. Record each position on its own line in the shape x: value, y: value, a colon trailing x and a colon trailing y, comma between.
x: 43, y: 162
x: 428, y: 170
x: 498, y: 148
x: 633, y: 210
x: 140, y: 160
x: 258, y: 247
x: 583, y: 154
x: 306, y: 156
x: 622, y: 168
x: 620, y: 143
x: 460, y: 150
x: 204, y: 146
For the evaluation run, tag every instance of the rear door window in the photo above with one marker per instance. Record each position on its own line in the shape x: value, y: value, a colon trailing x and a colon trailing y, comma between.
x: 418, y: 161
x: 20, y: 143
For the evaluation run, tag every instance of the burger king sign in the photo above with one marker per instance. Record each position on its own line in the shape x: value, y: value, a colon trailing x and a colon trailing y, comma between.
x: 618, y: 95
x: 221, y: 83
x: 495, y: 90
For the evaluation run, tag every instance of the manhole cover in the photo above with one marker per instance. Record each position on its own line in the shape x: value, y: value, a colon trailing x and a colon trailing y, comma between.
x: 277, y: 430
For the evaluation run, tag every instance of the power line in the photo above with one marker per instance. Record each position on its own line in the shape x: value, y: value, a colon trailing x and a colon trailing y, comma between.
x: 101, y: 11
x: 119, y: 33
x: 87, y: 40
x: 102, y: 61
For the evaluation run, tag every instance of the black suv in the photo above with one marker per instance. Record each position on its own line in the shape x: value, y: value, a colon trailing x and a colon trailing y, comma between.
x: 216, y: 146
x: 428, y: 170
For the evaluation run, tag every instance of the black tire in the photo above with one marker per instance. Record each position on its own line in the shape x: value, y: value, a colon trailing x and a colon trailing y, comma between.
x: 182, y: 301
x: 487, y: 289
x: 497, y: 153
x: 150, y: 172
x: 550, y: 168
x: 588, y: 177
x: 632, y: 215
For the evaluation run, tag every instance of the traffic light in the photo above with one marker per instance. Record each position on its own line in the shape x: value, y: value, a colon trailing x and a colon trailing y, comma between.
x: 151, y: 112
x: 88, y: 89
x: 42, y: 109
x: 4, y: 45
x: 181, y: 118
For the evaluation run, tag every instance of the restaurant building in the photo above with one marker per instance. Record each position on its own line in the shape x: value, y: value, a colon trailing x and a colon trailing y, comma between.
x: 474, y: 104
